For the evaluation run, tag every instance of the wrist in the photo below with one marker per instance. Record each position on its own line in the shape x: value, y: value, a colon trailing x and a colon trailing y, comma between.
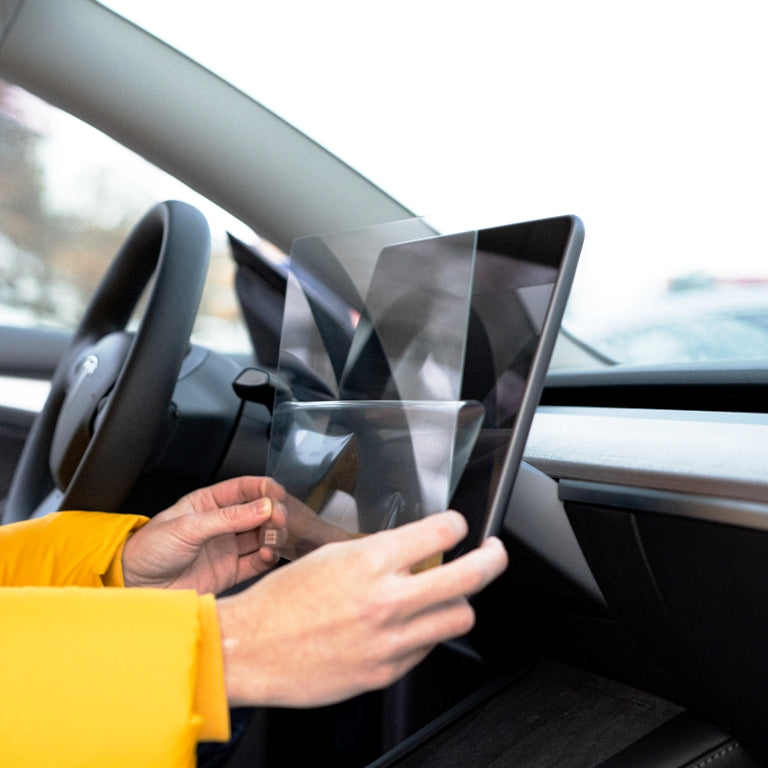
x: 119, y: 573
x: 232, y: 652
x: 126, y: 558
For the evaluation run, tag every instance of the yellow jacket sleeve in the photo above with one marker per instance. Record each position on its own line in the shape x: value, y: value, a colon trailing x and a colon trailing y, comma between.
x: 63, y: 548
x: 100, y: 676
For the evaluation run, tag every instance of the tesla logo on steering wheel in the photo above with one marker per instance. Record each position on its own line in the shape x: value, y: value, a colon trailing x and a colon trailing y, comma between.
x: 84, y: 370
x: 89, y: 365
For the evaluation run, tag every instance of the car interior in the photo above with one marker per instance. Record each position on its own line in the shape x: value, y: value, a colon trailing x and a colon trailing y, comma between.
x: 629, y: 629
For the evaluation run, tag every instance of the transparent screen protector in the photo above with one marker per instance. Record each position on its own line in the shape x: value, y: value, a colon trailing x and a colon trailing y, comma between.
x: 371, y: 431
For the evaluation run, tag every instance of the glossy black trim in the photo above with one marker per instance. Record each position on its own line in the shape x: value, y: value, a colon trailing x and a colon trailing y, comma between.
x: 721, y: 386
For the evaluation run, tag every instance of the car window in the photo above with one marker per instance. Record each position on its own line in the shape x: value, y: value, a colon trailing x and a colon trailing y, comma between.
x: 644, y: 120
x: 69, y: 195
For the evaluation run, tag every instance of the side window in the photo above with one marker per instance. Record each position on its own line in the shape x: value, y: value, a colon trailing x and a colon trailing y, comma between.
x: 68, y: 198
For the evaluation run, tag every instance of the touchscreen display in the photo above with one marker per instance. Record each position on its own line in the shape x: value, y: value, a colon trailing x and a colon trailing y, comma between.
x: 414, y: 363
x: 522, y: 276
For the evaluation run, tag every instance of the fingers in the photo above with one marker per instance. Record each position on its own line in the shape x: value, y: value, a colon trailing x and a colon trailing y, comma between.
x: 444, y: 591
x: 410, y: 544
x: 252, y: 555
x: 231, y: 506
x: 400, y: 549
x: 249, y: 540
x: 434, y: 603
x: 240, y: 519
x: 465, y: 576
x: 438, y: 623
x: 241, y: 490
x: 255, y: 563
x: 431, y: 606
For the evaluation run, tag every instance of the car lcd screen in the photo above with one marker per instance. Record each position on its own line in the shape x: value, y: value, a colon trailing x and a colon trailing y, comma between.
x: 413, y: 364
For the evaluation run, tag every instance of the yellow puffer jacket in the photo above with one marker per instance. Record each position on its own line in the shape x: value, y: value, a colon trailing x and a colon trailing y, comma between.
x: 95, y: 676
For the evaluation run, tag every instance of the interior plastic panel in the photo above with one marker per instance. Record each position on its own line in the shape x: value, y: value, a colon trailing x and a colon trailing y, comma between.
x: 669, y: 509
x: 691, y: 592
x: 536, y: 518
x: 745, y: 514
x: 692, y: 452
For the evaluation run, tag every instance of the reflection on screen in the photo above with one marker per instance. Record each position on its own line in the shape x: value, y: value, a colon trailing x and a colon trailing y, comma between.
x: 409, y: 357
x: 515, y: 271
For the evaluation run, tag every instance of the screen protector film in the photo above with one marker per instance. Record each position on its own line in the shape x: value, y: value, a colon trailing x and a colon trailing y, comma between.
x: 371, y: 431
x: 383, y: 325
x: 357, y: 467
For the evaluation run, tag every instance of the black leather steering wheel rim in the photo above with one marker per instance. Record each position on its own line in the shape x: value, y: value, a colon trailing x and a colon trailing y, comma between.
x: 171, y: 242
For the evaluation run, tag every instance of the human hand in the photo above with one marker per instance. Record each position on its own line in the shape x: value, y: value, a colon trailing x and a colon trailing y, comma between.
x: 208, y: 540
x: 351, y: 616
x: 304, y: 531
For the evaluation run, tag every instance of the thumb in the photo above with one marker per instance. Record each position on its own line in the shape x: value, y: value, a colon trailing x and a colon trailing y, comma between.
x: 233, y: 519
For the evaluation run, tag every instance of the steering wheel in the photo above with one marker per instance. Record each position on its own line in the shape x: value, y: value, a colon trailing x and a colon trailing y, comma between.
x: 111, y: 391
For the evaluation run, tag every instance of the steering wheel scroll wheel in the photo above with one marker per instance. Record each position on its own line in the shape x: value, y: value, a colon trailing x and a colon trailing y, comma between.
x: 112, y: 388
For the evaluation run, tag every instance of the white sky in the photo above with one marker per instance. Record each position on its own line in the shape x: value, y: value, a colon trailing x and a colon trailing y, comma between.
x: 646, y: 119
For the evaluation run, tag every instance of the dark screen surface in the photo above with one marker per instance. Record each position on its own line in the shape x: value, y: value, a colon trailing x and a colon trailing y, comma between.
x: 522, y: 277
x: 417, y: 391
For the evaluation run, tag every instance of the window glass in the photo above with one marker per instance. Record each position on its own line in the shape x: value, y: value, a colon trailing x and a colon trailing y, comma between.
x: 645, y: 119
x: 69, y: 196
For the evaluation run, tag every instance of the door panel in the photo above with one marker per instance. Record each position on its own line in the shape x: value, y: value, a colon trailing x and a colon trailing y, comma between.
x: 27, y: 360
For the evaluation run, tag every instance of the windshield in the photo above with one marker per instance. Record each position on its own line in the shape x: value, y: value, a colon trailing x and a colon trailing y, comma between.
x: 646, y: 120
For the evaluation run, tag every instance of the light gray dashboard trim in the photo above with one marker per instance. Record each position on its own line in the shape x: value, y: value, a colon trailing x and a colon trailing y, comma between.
x: 722, y: 455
